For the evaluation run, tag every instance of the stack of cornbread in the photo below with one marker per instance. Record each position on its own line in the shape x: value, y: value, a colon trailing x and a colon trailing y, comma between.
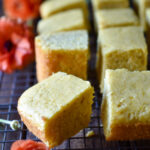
x: 57, y: 49
x: 60, y: 104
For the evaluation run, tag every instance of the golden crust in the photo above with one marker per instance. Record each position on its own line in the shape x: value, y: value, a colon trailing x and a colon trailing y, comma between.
x: 48, y: 62
x: 123, y: 115
x: 33, y: 127
x: 125, y: 131
x: 129, y: 132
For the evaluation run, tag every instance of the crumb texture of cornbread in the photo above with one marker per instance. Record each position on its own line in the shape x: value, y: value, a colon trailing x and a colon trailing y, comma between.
x: 122, y: 47
x: 49, y: 8
x: 64, y: 51
x: 108, y: 4
x: 125, y: 109
x: 116, y: 18
x: 57, y: 108
x: 67, y: 20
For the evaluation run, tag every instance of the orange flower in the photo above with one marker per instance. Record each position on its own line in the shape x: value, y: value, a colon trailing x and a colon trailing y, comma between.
x: 16, y: 45
x: 28, y: 145
x: 22, y: 9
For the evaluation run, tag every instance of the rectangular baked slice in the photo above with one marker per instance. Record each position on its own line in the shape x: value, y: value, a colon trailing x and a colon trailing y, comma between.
x: 57, y: 108
x: 65, y: 21
x: 107, y: 18
x: 51, y: 7
x: 125, y: 109
x: 121, y: 47
x: 64, y: 51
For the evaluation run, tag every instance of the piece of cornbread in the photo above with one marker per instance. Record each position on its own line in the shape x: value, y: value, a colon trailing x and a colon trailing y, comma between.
x: 64, y: 51
x: 122, y: 47
x: 67, y: 20
x: 125, y: 109
x: 57, y: 108
x: 107, y: 4
x: 52, y: 7
x: 141, y: 6
x: 107, y: 18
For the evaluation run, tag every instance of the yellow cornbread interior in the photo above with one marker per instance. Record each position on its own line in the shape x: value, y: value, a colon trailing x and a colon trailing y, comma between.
x: 58, y: 107
x: 64, y: 125
x: 49, y: 8
x: 107, y: 4
x: 65, y: 51
x: 122, y: 47
x: 116, y: 18
x: 126, y: 104
x: 74, y: 20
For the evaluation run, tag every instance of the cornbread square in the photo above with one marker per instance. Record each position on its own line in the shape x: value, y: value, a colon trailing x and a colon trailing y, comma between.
x: 52, y: 7
x: 64, y: 51
x: 125, y: 109
x: 67, y: 20
x: 107, y: 4
x: 107, y: 18
x: 57, y: 108
x: 142, y: 5
x: 122, y: 47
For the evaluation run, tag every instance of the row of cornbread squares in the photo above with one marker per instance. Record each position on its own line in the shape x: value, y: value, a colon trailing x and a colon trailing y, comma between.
x: 60, y: 106
x: 65, y: 51
x: 121, y: 44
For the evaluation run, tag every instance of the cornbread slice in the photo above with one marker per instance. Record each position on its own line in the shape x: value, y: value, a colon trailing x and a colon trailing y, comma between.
x: 64, y: 51
x: 52, y: 7
x: 107, y: 18
x: 56, y: 108
x: 67, y: 20
x: 107, y: 4
x: 141, y: 6
x: 125, y: 109
x: 122, y: 47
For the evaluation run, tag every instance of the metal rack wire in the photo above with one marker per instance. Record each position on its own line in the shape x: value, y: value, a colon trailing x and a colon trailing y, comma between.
x: 12, y: 86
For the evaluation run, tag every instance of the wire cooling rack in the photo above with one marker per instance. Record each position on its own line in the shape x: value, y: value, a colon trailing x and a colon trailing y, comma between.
x: 12, y: 86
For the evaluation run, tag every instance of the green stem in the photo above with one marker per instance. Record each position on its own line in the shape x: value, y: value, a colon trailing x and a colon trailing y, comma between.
x: 15, y: 125
x: 5, y: 121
